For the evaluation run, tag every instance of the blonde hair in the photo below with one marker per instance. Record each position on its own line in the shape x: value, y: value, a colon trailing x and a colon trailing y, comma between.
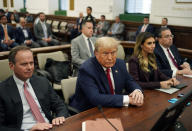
x: 106, y: 42
x: 141, y: 38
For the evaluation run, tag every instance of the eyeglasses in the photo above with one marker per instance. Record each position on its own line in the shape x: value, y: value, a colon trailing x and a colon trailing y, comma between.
x: 168, y: 36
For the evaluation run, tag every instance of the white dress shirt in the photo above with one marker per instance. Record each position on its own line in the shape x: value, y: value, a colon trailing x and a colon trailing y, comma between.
x: 173, y: 68
x: 86, y: 41
x: 125, y: 97
x: 28, y: 119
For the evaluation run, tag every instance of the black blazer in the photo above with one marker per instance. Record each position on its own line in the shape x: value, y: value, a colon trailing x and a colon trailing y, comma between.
x: 162, y: 61
x: 149, y: 29
x: 142, y: 78
x: 11, y: 108
x: 20, y: 37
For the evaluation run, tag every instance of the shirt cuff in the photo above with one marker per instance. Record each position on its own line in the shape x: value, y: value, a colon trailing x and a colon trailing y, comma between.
x: 126, y: 100
x: 174, y: 73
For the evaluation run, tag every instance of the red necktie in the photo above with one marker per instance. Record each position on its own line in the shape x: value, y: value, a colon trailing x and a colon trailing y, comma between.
x: 172, y: 59
x: 109, y: 80
x: 33, y: 105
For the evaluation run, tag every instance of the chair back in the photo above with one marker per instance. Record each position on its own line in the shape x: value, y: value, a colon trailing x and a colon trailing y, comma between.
x: 5, y: 70
x: 121, y: 52
x: 58, y: 56
x: 68, y: 87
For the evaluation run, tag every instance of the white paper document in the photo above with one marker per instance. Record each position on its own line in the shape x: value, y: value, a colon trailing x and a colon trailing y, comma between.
x: 169, y: 90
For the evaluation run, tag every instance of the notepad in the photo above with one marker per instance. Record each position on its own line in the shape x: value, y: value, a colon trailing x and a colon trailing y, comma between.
x: 168, y: 90
x: 101, y: 124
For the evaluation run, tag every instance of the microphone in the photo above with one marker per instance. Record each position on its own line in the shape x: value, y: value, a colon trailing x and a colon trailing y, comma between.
x: 101, y: 110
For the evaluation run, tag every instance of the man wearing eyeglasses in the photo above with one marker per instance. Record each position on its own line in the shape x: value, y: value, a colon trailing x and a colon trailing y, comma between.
x: 102, y: 79
x: 168, y: 58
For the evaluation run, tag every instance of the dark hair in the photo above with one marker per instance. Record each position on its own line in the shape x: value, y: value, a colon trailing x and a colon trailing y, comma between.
x: 103, y: 16
x: 14, y: 52
x: 90, y: 7
x: 146, y: 17
x: 2, y: 11
x: 161, y: 30
x: 2, y: 16
x: 85, y: 21
x: 165, y: 19
x: 41, y: 13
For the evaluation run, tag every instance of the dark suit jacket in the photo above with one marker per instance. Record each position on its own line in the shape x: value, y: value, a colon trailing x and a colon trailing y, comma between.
x: 143, y: 78
x: 162, y: 61
x: 92, y: 87
x: 20, y: 37
x: 149, y: 29
x: 38, y: 31
x: 10, y: 30
x: 11, y: 108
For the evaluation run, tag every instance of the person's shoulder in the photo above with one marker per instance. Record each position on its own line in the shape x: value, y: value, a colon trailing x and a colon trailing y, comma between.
x: 89, y: 64
x: 38, y: 78
x: 4, y: 84
x: 133, y: 59
x: 77, y: 38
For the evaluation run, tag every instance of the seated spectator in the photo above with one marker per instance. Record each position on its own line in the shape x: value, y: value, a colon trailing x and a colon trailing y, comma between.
x: 28, y: 102
x: 82, y: 47
x: 89, y: 17
x: 24, y: 35
x: 7, y: 14
x: 103, y: 78
x: 164, y: 24
x: 146, y: 27
x: 78, y: 27
x: 43, y: 33
x: 28, y: 18
x: 16, y: 16
x: 7, y: 35
x: 143, y: 66
x: 102, y: 27
x: 12, y: 19
x: 116, y: 29
x: 168, y: 58
x: 2, y: 12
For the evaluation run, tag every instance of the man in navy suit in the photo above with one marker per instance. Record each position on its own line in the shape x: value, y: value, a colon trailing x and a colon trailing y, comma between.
x: 24, y: 35
x: 28, y: 102
x: 95, y: 86
x: 168, y: 58
x: 146, y: 27
x: 7, y: 40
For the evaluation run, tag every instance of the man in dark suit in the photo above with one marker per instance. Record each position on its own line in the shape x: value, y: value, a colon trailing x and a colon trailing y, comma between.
x: 43, y: 32
x: 7, y: 35
x: 89, y: 17
x: 28, y: 102
x: 146, y: 27
x: 168, y: 58
x: 29, y: 18
x: 24, y: 35
x: 103, y: 78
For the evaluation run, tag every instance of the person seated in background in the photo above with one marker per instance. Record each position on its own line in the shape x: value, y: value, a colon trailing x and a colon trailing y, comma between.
x: 2, y: 12
x: 7, y: 14
x: 12, y: 19
x: 168, y: 58
x: 28, y: 18
x: 146, y: 27
x: 116, y: 29
x: 16, y: 16
x: 143, y: 66
x: 82, y: 47
x: 164, y: 24
x: 43, y: 32
x: 89, y: 17
x: 24, y: 35
x: 78, y: 27
x: 102, y: 27
x: 28, y: 102
x: 7, y: 35
x: 103, y: 78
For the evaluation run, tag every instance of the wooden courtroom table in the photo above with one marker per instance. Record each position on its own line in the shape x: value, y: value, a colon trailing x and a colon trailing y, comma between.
x: 134, y: 118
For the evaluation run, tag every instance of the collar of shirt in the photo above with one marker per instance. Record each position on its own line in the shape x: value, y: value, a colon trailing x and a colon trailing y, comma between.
x: 42, y: 22
x: 4, y: 26
x: 19, y: 82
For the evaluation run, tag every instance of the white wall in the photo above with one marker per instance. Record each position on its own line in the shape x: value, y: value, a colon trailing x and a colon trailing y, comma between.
x: 1, y: 4
x: 18, y: 4
x: 110, y: 8
x: 46, y: 6
x: 177, y: 13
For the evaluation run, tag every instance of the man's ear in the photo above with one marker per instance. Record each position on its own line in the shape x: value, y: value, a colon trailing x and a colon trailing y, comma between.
x: 11, y: 65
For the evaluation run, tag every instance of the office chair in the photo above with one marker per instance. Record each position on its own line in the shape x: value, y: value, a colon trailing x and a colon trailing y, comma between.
x: 5, y: 70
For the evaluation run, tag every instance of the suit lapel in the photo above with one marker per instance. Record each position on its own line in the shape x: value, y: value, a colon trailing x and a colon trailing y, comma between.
x: 84, y: 45
x: 103, y: 77
x: 162, y: 55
